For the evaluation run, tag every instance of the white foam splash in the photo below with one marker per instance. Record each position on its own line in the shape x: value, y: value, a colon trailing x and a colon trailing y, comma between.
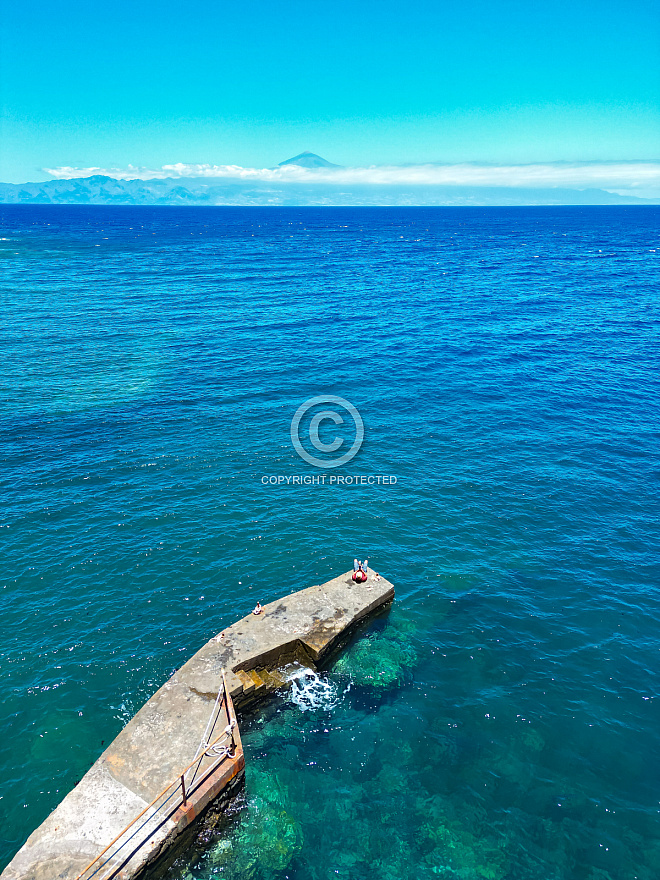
x: 310, y: 692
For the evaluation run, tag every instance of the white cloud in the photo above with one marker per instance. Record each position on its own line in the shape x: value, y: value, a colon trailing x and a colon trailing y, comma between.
x: 629, y: 178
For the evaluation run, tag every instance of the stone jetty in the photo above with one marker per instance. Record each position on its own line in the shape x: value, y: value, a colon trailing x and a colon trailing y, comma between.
x: 183, y: 750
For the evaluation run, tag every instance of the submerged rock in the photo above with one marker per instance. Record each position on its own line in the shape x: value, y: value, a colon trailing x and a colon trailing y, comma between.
x: 267, y: 838
x: 379, y: 662
x: 461, y: 850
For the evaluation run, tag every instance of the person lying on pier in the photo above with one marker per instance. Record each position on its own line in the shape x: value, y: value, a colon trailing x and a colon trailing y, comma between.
x: 257, y: 608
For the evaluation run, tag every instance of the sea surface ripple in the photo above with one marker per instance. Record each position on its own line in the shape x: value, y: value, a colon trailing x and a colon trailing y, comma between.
x: 503, y: 722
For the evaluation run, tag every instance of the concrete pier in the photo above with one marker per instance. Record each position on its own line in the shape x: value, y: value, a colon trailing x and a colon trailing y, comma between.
x: 190, y: 719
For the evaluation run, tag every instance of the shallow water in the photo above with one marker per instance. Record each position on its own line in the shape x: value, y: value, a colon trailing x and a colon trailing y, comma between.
x: 503, y: 722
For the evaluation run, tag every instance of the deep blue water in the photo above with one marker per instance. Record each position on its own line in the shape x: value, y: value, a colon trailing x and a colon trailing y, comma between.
x: 504, y: 721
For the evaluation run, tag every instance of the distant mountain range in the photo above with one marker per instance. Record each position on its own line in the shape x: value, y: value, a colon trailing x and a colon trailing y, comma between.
x: 241, y: 190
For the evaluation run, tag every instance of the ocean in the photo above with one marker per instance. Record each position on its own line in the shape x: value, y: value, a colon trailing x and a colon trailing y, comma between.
x: 503, y: 721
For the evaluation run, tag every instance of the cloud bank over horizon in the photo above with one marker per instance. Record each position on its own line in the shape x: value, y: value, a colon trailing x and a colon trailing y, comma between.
x: 629, y: 178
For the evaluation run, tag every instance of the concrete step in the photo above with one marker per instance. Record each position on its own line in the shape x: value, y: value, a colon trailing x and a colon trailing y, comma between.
x: 271, y: 681
x: 257, y: 679
x: 279, y: 681
x: 264, y: 675
x: 246, y: 681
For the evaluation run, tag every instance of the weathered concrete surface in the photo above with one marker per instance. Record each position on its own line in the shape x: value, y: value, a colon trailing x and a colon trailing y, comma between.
x: 162, y: 739
x: 304, y: 626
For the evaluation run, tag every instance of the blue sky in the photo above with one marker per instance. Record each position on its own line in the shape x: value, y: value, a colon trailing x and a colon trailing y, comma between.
x: 252, y: 83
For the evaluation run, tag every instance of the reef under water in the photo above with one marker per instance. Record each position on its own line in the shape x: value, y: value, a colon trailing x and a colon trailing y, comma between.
x: 340, y: 784
x: 380, y: 661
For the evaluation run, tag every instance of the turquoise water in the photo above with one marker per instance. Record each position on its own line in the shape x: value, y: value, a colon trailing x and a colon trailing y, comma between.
x: 505, y: 364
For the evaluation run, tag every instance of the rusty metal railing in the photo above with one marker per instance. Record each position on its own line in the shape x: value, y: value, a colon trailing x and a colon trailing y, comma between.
x: 179, y: 789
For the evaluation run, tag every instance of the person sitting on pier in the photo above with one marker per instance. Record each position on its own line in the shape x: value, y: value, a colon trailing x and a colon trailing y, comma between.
x: 257, y: 608
x: 360, y: 571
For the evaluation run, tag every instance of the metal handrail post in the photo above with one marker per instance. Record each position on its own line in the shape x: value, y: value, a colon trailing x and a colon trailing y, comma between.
x: 230, y: 720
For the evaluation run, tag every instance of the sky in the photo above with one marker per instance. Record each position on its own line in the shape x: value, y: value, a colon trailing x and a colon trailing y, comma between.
x: 114, y: 85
